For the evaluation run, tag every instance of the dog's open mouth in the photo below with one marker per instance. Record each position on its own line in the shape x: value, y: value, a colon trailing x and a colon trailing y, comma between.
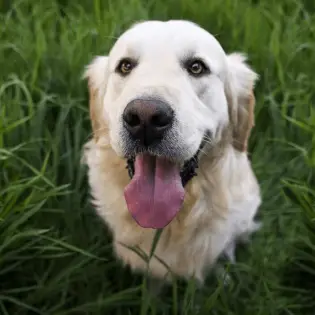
x: 156, y: 191
x: 155, y: 194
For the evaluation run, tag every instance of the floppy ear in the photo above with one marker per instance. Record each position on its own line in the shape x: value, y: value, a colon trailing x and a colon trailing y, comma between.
x: 240, y: 95
x: 96, y: 74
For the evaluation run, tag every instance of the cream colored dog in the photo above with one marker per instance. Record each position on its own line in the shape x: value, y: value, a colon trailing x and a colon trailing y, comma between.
x: 172, y: 105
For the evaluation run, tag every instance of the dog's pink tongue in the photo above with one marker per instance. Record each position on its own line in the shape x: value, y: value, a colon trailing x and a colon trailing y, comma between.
x: 155, y: 194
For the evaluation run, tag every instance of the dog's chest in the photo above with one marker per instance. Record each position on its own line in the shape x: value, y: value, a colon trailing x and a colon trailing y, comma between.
x: 186, y: 250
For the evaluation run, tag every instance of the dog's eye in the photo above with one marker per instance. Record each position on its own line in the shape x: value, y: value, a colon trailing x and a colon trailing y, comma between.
x: 197, y: 68
x: 125, y: 66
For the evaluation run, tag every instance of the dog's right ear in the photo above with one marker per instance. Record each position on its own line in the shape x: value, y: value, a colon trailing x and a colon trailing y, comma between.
x: 96, y: 74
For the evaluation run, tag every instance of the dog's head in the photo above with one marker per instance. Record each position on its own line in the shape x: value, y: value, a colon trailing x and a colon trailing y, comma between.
x: 164, y: 90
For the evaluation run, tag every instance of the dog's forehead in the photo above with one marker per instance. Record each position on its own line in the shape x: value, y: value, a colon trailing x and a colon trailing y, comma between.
x: 173, y: 36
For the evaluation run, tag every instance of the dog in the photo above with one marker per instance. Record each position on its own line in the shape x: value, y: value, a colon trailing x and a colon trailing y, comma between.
x: 171, y: 115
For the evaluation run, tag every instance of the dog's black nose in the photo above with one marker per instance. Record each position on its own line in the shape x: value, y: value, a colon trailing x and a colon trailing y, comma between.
x: 148, y: 120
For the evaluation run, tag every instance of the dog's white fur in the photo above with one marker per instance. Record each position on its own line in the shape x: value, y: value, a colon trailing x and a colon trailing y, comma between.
x: 221, y: 202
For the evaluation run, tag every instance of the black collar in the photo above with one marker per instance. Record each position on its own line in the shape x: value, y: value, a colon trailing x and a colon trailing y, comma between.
x: 187, y: 172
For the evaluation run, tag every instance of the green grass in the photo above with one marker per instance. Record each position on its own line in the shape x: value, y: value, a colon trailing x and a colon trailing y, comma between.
x: 55, y: 254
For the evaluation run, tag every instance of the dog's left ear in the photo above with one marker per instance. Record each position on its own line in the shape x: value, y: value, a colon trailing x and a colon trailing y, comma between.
x: 239, y: 90
x: 96, y: 74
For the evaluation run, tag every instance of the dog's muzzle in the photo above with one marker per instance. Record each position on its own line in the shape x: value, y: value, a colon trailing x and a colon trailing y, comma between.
x: 188, y: 170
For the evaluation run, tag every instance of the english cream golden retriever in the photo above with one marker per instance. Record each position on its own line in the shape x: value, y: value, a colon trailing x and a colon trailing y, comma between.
x: 171, y: 114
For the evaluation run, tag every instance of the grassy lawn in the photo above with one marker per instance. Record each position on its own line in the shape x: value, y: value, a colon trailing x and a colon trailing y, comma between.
x: 55, y: 254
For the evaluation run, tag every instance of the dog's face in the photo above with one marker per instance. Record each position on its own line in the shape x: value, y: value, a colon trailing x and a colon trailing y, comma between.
x: 175, y: 69
x: 164, y: 89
